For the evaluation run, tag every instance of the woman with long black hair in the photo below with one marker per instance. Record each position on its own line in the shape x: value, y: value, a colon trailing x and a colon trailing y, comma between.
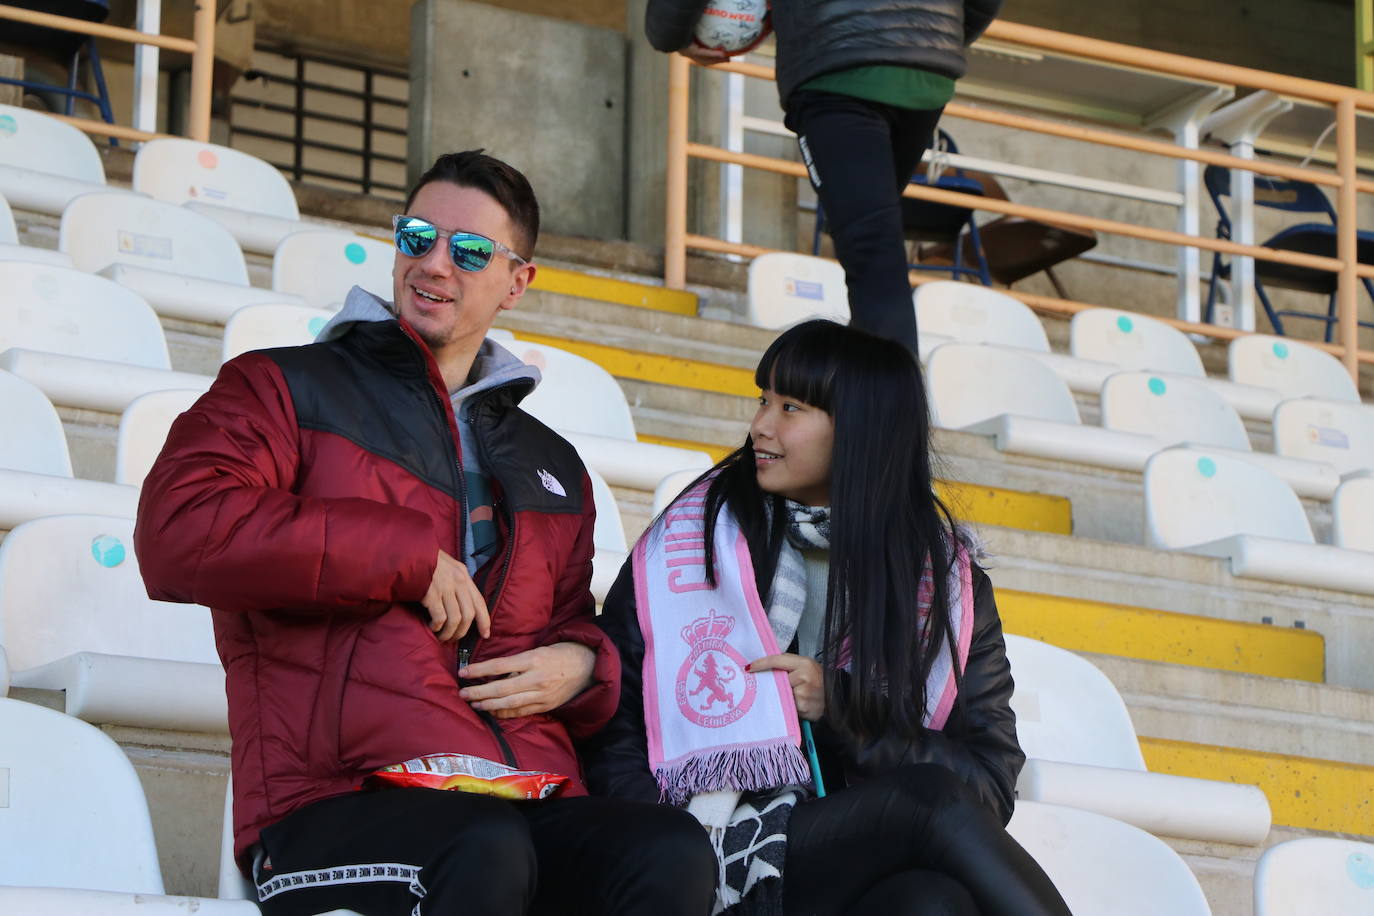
x: 808, y: 616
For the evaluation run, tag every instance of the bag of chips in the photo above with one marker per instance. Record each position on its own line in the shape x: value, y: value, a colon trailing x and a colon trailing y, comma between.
x: 464, y: 773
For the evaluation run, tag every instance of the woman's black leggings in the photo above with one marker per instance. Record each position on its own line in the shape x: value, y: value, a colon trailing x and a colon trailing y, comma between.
x: 913, y: 841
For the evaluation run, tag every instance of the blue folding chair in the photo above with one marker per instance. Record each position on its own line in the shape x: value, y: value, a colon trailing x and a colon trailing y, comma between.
x: 66, y: 44
x: 926, y: 221
x: 1305, y: 238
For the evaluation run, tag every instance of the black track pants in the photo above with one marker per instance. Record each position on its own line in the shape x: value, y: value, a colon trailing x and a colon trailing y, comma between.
x: 910, y: 842
x: 437, y: 853
x: 860, y: 155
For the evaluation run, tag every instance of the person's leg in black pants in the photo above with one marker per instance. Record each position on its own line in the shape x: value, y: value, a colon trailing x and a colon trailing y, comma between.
x: 860, y: 155
x: 607, y: 855
x: 438, y: 853
x: 879, y: 840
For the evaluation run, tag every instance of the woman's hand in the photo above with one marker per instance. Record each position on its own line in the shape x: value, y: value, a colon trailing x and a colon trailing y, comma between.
x: 704, y: 56
x: 806, y: 677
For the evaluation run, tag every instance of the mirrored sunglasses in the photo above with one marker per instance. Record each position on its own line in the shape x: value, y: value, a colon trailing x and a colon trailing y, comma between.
x: 469, y: 251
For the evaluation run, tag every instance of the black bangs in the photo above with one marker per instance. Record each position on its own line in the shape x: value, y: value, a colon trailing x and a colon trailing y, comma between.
x: 802, y: 363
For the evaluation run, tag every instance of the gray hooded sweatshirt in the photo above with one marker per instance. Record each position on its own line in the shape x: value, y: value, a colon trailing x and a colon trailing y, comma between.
x: 493, y: 367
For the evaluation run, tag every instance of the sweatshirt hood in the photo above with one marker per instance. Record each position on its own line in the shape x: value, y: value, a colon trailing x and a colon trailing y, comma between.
x: 493, y: 367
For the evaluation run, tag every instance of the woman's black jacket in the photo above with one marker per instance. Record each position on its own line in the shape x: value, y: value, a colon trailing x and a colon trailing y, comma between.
x: 816, y: 37
x: 978, y: 743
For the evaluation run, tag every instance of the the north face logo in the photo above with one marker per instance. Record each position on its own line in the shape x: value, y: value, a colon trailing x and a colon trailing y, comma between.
x: 551, y: 483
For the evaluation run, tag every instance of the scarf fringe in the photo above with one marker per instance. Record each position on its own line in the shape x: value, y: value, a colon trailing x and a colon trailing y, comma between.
x: 754, y: 768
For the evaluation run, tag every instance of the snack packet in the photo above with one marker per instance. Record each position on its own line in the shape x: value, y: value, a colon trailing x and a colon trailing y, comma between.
x: 464, y: 773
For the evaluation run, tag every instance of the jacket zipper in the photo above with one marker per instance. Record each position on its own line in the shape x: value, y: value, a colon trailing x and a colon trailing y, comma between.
x: 467, y: 647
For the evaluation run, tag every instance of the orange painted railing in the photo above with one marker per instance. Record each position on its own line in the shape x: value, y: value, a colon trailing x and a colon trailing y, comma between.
x: 1344, y: 180
x: 201, y: 47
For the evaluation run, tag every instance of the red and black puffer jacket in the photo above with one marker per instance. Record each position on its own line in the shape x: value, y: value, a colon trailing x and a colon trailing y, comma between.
x: 304, y: 499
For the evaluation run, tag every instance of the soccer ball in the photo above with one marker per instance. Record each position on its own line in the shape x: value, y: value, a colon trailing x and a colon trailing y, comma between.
x: 733, y: 26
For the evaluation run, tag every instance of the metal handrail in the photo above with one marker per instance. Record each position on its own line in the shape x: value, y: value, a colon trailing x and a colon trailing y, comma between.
x: 201, y: 47
x: 1345, y: 180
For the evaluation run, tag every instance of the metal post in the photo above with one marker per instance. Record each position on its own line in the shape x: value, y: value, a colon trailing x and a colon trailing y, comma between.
x: 675, y: 196
x: 149, y: 20
x: 1346, y: 238
x: 1184, y: 119
x: 732, y: 185
x: 202, y: 70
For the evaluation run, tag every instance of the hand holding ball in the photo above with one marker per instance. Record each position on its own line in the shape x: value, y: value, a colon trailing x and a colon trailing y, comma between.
x: 733, y: 26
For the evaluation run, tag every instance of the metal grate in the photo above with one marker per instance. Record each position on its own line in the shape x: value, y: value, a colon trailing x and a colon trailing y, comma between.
x: 330, y: 122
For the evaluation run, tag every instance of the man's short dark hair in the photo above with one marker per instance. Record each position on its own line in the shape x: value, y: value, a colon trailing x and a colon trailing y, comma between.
x: 507, y: 186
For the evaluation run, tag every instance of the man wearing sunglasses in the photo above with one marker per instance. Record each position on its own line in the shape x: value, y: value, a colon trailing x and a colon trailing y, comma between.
x: 398, y: 562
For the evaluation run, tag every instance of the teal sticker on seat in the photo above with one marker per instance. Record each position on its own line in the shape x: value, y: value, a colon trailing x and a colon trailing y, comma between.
x: 1206, y: 467
x: 1281, y: 350
x: 108, y: 550
x: 1125, y: 324
x: 8, y: 126
x: 355, y: 253
x: 316, y: 325
x: 1157, y: 386
x: 1360, y: 869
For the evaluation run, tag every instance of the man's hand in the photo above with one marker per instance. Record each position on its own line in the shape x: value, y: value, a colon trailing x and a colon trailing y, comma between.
x: 530, y: 682
x: 454, y: 602
x: 806, y: 677
x: 704, y: 56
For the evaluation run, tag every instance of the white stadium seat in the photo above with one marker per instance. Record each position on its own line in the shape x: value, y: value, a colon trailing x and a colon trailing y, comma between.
x: 1209, y: 503
x: 948, y: 311
x: 36, y: 468
x: 183, y: 264
x: 45, y: 162
x: 75, y: 616
x: 608, y: 538
x: 1293, y: 369
x: 1130, y: 340
x: 143, y: 429
x: 669, y: 487
x: 1352, y: 515
x: 321, y: 266
x: 262, y: 327
x: 587, y: 406
x: 1024, y: 405
x: 73, y: 804
x: 1177, y: 410
x: 11, y: 250
x: 1337, y: 432
x: 1082, y: 752
x: 246, y: 195
x: 1103, y: 866
x: 1325, y: 875
x: 82, y: 340
x: 786, y: 289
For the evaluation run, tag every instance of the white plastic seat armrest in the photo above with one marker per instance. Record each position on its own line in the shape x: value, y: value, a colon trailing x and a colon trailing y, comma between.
x: 193, y: 298
x: 255, y: 232
x: 95, y: 384
x: 26, y: 189
x: 137, y: 692
x: 1252, y: 402
x: 57, y: 901
x: 638, y: 465
x: 25, y: 496
x: 45, y: 256
x: 1159, y: 803
x: 1277, y: 560
x: 1083, y: 376
x: 1067, y: 442
x: 605, y: 567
